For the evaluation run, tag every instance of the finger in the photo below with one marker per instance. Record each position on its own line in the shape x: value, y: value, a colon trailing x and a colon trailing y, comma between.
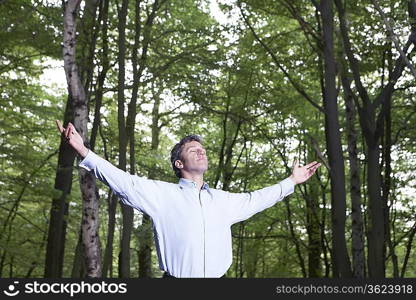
x: 312, y: 164
x: 314, y: 168
x: 60, y: 127
x: 68, y: 130
x: 73, y: 130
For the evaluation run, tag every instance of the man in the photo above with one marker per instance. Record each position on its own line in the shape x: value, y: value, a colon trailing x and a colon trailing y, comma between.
x: 192, y: 222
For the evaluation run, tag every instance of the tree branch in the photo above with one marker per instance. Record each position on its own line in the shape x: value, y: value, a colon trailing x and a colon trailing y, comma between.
x: 279, y: 65
x: 394, y: 38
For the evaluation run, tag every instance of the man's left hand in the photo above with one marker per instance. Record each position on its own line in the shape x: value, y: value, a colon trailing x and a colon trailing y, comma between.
x: 301, y: 174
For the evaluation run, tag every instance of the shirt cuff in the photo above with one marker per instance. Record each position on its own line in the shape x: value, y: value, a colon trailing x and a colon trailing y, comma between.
x: 288, y: 186
x: 90, y: 161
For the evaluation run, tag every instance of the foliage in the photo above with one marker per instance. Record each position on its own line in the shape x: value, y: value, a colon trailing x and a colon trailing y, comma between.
x: 215, y: 80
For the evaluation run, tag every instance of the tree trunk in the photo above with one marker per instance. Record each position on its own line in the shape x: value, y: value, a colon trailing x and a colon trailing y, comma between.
x: 372, y: 126
x: 239, y: 251
x: 221, y: 154
x: 324, y: 243
x: 4, y: 255
x: 11, y: 266
x: 376, y: 263
x: 90, y: 26
x: 357, y: 245
x: 145, y: 231
x: 387, y: 187
x: 108, y: 254
x: 408, y: 249
x: 145, y: 236
x: 89, y: 193
x: 341, y: 260
x: 313, y: 227
x: 89, y: 41
x: 55, y: 247
x: 78, y: 266
x: 127, y: 211
x: 102, y: 76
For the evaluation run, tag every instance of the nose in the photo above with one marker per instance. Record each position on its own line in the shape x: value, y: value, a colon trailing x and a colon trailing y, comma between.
x: 201, y: 152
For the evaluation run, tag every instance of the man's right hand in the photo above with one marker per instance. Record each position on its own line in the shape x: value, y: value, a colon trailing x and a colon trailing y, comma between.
x: 73, y: 138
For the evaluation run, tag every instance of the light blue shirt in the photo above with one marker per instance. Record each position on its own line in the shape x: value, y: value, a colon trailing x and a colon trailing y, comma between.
x: 192, y: 228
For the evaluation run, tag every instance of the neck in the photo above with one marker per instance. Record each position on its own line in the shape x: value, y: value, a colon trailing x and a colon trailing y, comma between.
x: 197, y: 178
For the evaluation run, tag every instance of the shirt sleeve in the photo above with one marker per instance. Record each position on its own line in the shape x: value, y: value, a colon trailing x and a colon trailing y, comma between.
x: 135, y: 191
x: 244, y: 205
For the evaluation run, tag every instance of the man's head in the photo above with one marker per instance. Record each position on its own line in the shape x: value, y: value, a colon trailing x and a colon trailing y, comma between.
x: 189, y: 156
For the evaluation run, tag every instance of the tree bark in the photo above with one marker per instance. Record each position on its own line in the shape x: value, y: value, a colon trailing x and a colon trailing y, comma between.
x: 342, y: 267
x: 78, y: 266
x: 91, y: 241
x: 239, y: 265
x: 376, y: 261
x: 386, y: 187
x: 88, y: 38
x: 127, y: 211
x: 108, y: 254
x: 357, y: 245
x: 99, y: 90
x: 313, y: 226
x: 139, y: 64
x: 55, y: 247
x: 145, y: 231
x: 90, y: 26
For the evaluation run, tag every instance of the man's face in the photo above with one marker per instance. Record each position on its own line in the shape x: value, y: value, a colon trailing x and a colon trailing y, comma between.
x: 194, y: 158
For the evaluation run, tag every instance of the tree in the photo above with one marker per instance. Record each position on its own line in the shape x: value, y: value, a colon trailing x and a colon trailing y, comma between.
x: 90, y: 237
x: 372, y: 126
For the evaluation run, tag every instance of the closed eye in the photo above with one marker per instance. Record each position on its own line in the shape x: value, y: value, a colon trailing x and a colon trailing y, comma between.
x: 195, y: 150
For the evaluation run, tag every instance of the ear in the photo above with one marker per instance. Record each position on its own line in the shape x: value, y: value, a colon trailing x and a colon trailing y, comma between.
x: 179, y: 164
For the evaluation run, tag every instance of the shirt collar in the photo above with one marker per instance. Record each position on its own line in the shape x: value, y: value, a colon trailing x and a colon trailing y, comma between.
x: 183, y: 182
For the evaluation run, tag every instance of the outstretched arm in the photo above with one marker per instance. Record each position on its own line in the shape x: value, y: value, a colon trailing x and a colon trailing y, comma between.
x: 135, y: 191
x: 73, y: 138
x: 244, y: 205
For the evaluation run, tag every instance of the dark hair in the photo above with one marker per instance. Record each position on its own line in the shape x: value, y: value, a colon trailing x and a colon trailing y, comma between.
x: 175, y: 153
